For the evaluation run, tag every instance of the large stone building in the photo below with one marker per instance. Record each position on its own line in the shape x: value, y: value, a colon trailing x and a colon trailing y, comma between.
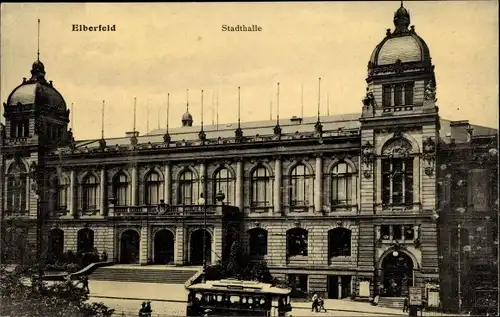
x: 347, y: 205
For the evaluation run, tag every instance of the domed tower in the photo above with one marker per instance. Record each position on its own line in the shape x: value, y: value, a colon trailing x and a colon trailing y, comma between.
x: 399, y: 133
x: 187, y: 119
x: 399, y: 71
x: 36, y: 112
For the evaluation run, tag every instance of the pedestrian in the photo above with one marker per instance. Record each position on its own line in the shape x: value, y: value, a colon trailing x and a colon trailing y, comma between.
x: 142, y: 310
x: 148, y: 309
x: 314, y: 302
x: 85, y: 283
x: 321, y: 304
x: 405, y: 304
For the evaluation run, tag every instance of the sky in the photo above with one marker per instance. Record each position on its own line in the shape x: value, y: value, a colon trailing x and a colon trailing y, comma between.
x: 168, y: 48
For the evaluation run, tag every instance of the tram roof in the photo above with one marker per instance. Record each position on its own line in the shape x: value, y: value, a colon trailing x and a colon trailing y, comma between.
x: 238, y: 286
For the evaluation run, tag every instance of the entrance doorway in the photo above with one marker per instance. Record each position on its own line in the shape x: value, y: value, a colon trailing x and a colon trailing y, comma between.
x: 129, y: 247
x: 196, y: 247
x: 339, y: 286
x: 397, y: 269
x: 164, y: 247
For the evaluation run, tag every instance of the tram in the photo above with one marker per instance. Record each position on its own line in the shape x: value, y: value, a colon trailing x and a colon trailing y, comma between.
x: 233, y: 297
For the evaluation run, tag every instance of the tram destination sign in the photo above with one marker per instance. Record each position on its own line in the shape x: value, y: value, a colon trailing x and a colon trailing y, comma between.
x: 415, y: 296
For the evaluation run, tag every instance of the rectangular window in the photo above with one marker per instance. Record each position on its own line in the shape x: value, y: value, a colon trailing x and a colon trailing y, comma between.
x: 409, y: 94
x: 298, y: 282
x: 26, y: 128
x: 398, y: 95
x: 385, y: 232
x: 409, y: 232
x: 386, y: 101
x: 397, y: 181
x: 397, y: 232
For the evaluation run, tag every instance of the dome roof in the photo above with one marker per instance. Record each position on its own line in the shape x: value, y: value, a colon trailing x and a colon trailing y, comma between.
x: 406, y: 48
x: 402, y: 45
x: 36, y: 90
x: 187, y: 117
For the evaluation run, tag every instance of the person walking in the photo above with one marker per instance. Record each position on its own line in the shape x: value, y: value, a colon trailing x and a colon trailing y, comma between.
x: 405, y: 304
x: 142, y: 310
x: 314, y: 302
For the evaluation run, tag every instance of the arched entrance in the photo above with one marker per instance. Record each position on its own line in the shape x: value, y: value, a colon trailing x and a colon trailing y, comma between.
x: 129, y: 247
x: 397, y: 270
x: 164, y: 247
x: 196, y: 247
x: 56, y: 244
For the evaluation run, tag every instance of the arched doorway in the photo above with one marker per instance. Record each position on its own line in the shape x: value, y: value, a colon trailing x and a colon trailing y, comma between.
x: 196, y: 247
x: 164, y: 247
x: 129, y: 247
x: 397, y: 269
x: 56, y: 244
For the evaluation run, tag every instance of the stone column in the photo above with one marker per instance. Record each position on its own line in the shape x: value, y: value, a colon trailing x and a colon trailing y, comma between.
x: 415, y: 232
x: 277, y: 185
x: 135, y: 188
x: 179, y: 246
x: 339, y: 287
x: 318, y: 188
x: 239, y: 186
x: 103, y: 202
x: 168, y: 184
x: 202, y: 181
x: 73, y: 210
x: 391, y: 232
x: 378, y: 232
x: 144, y: 245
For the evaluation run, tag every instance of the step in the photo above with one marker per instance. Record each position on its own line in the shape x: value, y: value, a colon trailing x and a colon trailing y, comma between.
x: 391, y: 302
x: 142, y: 275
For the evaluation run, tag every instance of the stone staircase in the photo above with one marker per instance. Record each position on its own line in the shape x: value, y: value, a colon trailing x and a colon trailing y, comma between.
x: 143, y: 275
x: 391, y: 302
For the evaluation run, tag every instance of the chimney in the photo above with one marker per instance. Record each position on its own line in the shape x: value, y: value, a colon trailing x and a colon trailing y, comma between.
x: 460, y: 130
x: 131, y: 134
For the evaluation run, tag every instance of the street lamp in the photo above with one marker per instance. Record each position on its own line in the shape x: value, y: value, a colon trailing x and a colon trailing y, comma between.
x: 202, y: 203
x: 39, y: 248
x: 461, y: 211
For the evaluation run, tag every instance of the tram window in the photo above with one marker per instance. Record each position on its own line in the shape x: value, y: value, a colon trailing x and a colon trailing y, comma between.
x: 219, y: 298
x: 235, y: 299
x: 198, y: 296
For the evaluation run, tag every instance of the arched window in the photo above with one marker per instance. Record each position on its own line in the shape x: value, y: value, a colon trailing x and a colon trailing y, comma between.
x: 17, y: 184
x: 343, y: 193
x: 152, y: 186
x: 300, y: 181
x: 397, y: 173
x: 339, y: 242
x: 262, y: 188
x: 90, y: 187
x: 63, y: 187
x: 257, y: 242
x: 224, y: 183
x: 85, y: 240
x: 296, y: 239
x: 121, y: 189
x: 188, y: 188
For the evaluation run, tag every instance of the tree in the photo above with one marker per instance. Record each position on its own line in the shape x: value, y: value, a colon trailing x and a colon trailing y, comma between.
x: 235, y: 260
x: 20, y: 296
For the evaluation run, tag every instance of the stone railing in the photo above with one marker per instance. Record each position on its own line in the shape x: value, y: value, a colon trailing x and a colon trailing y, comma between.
x: 164, y: 210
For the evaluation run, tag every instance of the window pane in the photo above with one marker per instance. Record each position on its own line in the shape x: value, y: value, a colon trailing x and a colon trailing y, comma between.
x: 409, y: 94
x: 386, y: 102
x: 398, y: 95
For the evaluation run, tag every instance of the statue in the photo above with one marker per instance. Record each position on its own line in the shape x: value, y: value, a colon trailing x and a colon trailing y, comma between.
x: 369, y: 99
x: 2, y: 131
x: 430, y: 92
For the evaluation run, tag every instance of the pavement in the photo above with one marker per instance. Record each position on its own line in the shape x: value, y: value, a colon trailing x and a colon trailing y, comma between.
x: 170, y: 300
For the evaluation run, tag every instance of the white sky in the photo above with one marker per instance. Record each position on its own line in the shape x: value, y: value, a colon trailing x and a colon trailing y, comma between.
x: 161, y: 48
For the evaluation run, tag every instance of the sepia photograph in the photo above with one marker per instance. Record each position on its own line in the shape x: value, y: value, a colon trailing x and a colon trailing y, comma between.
x: 323, y: 158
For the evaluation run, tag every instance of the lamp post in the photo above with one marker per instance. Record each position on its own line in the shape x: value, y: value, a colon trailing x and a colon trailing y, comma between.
x: 203, y: 205
x: 39, y: 238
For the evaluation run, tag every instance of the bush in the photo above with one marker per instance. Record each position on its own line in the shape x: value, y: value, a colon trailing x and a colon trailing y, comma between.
x: 20, y: 298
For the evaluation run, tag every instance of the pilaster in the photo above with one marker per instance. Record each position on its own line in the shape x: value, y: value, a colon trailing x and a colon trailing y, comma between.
x: 179, y: 246
x: 144, y: 245
x: 73, y: 196
x: 135, y: 188
x: 168, y: 184
x: 318, y: 190
x: 103, y: 202
x: 277, y: 185
x: 239, y: 186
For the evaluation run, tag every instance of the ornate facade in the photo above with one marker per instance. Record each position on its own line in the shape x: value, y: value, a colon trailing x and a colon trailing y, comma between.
x: 344, y: 205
